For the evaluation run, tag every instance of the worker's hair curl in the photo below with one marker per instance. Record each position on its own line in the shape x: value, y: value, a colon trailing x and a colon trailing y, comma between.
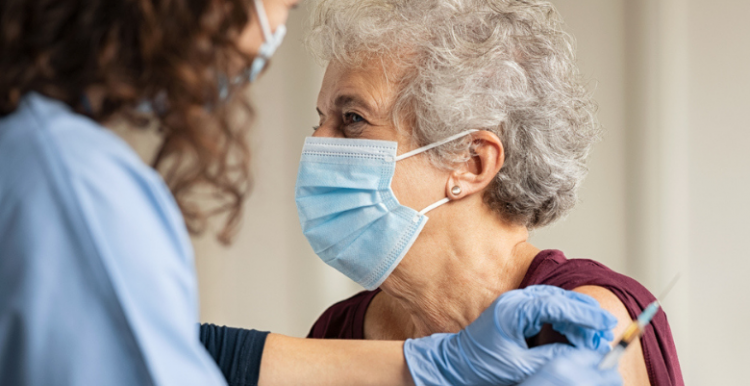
x: 168, y: 52
x: 505, y: 66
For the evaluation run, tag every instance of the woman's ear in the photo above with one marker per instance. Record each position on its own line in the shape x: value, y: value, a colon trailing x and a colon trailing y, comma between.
x: 486, y: 160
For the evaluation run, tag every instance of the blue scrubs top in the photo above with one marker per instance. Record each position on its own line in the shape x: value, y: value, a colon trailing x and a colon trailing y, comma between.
x: 97, y: 279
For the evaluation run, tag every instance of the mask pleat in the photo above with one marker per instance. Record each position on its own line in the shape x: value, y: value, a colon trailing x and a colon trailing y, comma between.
x: 331, y: 252
x: 376, y: 233
x: 339, y: 176
x: 340, y: 200
x: 339, y: 226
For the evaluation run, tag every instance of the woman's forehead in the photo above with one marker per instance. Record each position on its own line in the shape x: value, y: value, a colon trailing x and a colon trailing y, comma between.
x: 362, y: 84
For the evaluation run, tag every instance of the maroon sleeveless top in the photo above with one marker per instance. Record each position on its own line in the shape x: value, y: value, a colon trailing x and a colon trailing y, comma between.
x: 346, y: 319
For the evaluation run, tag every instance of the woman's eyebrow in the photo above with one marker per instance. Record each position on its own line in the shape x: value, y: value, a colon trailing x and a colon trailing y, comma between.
x: 343, y: 101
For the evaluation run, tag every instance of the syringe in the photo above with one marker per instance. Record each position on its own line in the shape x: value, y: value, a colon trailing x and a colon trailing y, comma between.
x: 634, y: 331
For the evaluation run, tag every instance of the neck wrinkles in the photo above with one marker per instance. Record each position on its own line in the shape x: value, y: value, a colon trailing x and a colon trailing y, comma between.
x: 446, y: 281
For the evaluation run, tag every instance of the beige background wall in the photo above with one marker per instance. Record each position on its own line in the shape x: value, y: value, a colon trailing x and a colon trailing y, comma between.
x: 667, y: 190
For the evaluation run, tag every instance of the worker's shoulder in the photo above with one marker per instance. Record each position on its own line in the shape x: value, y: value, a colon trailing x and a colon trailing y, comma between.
x: 45, y: 143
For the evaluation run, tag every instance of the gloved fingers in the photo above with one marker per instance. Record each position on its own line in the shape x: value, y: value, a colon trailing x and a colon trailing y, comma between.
x: 541, y: 290
x: 588, y: 361
x: 585, y: 337
x: 560, y: 309
x: 611, y: 320
x: 574, y: 367
x: 506, y: 312
x: 610, y: 377
x: 539, y: 356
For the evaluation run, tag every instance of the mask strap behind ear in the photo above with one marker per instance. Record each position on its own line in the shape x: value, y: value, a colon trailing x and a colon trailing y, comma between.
x: 434, y: 145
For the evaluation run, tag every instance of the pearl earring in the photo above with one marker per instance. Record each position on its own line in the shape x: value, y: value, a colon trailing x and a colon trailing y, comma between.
x: 456, y: 190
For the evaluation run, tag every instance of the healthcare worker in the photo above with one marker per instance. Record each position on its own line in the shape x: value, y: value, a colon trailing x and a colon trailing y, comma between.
x: 97, y: 283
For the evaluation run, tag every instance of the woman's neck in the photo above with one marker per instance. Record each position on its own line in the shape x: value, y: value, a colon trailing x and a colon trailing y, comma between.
x: 448, y: 279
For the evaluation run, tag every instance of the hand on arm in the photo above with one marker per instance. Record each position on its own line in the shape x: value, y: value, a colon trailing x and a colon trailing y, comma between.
x: 493, y: 349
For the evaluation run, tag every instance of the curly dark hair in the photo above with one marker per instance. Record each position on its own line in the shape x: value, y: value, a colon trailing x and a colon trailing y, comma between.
x: 169, y: 52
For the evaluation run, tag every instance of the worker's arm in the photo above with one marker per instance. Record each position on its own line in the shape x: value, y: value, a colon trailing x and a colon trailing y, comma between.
x: 295, y: 361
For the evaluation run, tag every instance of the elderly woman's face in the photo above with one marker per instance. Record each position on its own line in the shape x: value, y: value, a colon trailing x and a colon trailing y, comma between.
x: 357, y: 103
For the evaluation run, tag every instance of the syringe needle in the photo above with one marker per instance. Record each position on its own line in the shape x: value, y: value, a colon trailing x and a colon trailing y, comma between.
x: 669, y: 287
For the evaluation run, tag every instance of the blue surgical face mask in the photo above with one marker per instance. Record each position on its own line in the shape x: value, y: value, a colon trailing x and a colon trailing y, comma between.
x: 348, y: 211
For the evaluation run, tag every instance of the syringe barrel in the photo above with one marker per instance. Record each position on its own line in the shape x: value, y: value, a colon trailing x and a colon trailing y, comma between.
x: 648, y: 314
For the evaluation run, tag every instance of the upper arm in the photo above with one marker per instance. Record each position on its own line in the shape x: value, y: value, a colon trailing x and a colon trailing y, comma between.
x: 632, y: 364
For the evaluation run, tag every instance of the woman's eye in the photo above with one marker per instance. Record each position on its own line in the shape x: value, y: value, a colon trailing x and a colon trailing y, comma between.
x: 315, y: 128
x: 350, y: 118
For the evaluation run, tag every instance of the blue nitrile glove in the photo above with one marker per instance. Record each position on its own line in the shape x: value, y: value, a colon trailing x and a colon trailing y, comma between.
x: 577, y: 368
x: 493, y: 349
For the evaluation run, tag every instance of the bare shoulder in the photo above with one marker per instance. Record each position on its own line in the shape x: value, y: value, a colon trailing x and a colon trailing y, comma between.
x: 633, y: 364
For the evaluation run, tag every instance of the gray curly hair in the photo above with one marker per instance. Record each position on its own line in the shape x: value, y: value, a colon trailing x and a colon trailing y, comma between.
x: 505, y: 66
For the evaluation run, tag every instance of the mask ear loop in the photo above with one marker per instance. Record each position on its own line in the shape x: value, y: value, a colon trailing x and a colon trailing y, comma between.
x: 429, y: 208
x: 434, y: 206
x: 424, y: 149
x: 263, y: 18
x: 271, y: 42
x: 434, y: 145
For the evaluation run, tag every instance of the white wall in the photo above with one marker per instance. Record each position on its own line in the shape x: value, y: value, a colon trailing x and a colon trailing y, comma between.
x: 596, y: 229
x: 666, y: 193
x: 719, y: 256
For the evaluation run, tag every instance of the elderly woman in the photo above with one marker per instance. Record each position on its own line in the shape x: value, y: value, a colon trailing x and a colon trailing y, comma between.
x: 473, y: 111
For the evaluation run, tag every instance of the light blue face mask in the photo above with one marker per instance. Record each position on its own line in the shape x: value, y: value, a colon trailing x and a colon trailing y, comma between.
x: 348, y: 211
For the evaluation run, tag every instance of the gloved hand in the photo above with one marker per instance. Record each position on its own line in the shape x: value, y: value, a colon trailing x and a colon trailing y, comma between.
x: 576, y: 368
x: 493, y: 349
